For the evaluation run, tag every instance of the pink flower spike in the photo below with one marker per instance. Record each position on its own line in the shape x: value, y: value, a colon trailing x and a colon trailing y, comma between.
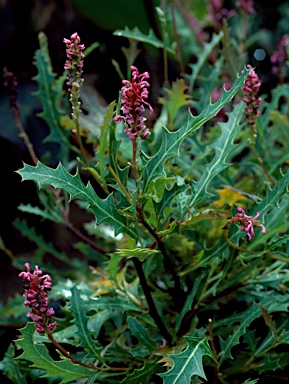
x: 133, y: 102
x: 37, y: 299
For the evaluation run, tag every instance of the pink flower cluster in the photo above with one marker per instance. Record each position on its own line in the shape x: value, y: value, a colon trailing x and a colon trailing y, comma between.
x: 37, y: 299
x: 133, y: 103
x: 245, y: 6
x: 251, y: 89
x: 74, y: 65
x: 217, y: 12
x: 280, y: 55
x: 248, y: 222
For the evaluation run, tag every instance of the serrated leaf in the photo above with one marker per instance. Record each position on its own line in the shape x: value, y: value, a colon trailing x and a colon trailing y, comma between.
x: 38, y: 354
x: 40, y: 212
x: 103, y: 209
x: 136, y: 34
x: 268, y: 364
x: 222, y: 147
x: 205, y: 52
x: 141, y: 333
x: 50, y: 94
x: 166, y: 200
x: 188, y: 362
x: 141, y: 253
x: 280, y: 127
x: 92, y: 347
x: 176, y: 98
x: 142, y: 375
x: 276, y: 243
x: 10, y: 366
x: 31, y: 234
x: 272, y: 197
x: 226, y: 345
x: 171, y: 141
x: 103, y: 140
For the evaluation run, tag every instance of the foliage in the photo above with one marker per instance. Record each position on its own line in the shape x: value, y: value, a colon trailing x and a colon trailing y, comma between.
x: 168, y: 286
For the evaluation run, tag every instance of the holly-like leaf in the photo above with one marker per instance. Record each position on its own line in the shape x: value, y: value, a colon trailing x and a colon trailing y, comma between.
x: 222, y: 147
x: 10, y: 366
x: 188, y: 362
x: 136, y: 34
x: 142, y: 375
x: 38, y: 354
x: 53, y: 216
x: 226, y: 345
x: 103, y: 209
x: 50, y: 93
x: 166, y: 200
x: 276, y: 243
x: 171, y: 141
x: 176, y: 98
x: 280, y: 125
x: 92, y: 347
x: 205, y: 52
x: 103, y: 140
x: 141, y: 333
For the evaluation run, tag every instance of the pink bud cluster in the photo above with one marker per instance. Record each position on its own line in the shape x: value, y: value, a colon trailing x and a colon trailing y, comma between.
x: 245, y: 6
x: 133, y: 103
x: 280, y: 55
x: 74, y: 65
x: 251, y: 89
x: 217, y: 12
x: 37, y: 299
x: 248, y: 222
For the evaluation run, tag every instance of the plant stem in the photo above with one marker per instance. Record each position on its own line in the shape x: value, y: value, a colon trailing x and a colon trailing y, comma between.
x: 236, y: 246
x: 178, y: 294
x: 117, y: 179
x: 152, y: 308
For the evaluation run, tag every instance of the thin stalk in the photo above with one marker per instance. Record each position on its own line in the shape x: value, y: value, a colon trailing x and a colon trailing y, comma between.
x: 78, y: 135
x: 152, y: 307
x: 236, y: 246
x: 117, y: 179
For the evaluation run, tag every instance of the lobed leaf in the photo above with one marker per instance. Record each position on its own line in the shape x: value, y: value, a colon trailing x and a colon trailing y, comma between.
x: 103, y: 209
x: 38, y: 354
x: 171, y: 141
x: 142, y: 375
x: 188, y: 362
x: 222, y: 147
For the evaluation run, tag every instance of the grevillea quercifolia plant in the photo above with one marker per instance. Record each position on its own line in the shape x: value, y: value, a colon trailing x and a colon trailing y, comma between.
x: 179, y: 272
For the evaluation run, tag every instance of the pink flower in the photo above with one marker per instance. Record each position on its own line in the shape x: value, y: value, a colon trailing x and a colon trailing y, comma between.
x: 280, y: 55
x: 248, y: 222
x: 251, y: 89
x: 37, y: 299
x: 74, y: 65
x: 245, y: 6
x: 133, y: 103
x: 217, y: 13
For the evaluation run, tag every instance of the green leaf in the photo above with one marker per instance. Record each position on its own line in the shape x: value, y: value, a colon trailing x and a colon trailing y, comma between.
x: 205, y: 52
x: 103, y: 209
x: 38, y: 354
x: 176, y: 98
x: 171, y: 141
x: 188, y: 362
x: 142, y: 375
x: 222, y: 147
x: 141, y: 253
x: 280, y: 127
x: 31, y: 234
x: 50, y: 93
x: 103, y: 140
x: 11, y: 367
x: 226, y: 345
x: 141, y: 333
x: 166, y: 200
x: 136, y: 34
x: 276, y: 243
x: 80, y: 320
x: 272, y: 197
x: 40, y: 212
